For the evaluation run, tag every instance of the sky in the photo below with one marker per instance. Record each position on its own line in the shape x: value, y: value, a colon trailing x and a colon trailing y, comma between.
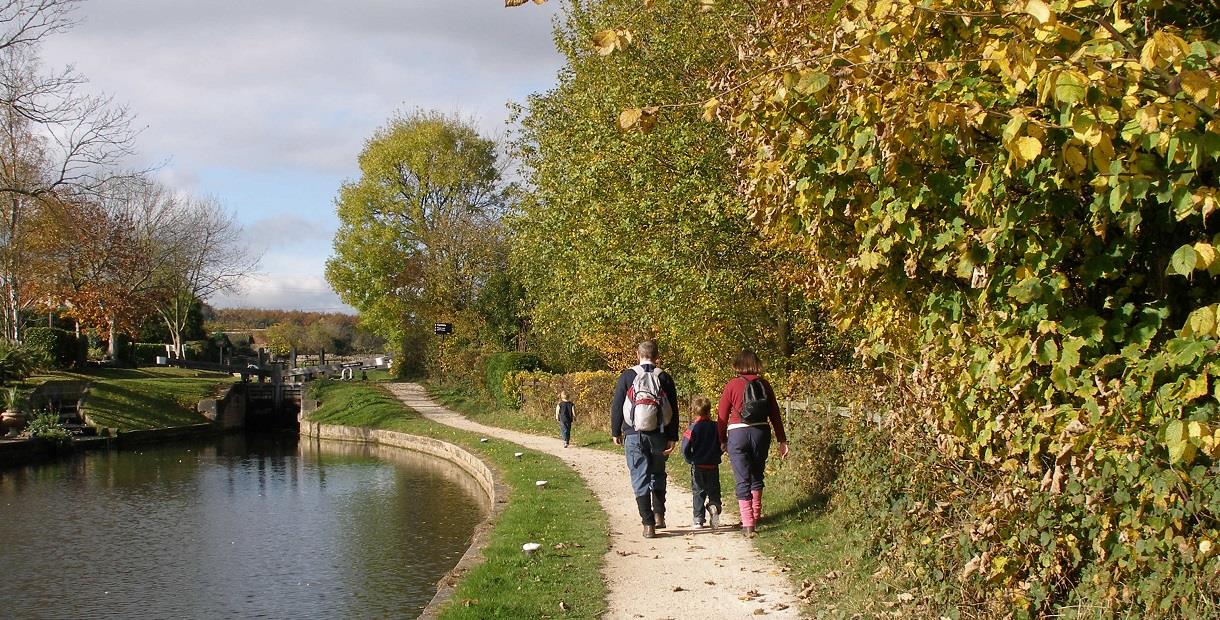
x: 265, y: 104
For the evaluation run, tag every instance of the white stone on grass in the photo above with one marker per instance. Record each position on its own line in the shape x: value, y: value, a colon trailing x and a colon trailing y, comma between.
x: 540, y: 483
x: 530, y: 548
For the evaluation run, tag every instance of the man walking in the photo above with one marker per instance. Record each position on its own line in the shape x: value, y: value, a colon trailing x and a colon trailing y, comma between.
x: 644, y: 419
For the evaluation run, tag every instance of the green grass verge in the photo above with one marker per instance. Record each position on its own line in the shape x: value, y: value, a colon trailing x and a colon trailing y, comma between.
x: 143, y: 398
x: 814, y: 543
x: 565, y: 518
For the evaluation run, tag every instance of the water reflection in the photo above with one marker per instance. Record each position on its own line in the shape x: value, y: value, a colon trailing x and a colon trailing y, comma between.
x: 236, y: 528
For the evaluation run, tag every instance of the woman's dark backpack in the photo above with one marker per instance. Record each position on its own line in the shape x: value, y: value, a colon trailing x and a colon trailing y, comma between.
x: 755, y: 406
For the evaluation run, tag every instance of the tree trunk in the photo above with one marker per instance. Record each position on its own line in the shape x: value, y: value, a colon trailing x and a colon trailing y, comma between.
x: 114, y: 340
x: 782, y: 326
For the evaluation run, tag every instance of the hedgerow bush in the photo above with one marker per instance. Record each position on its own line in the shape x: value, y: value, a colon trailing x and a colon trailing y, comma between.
x: 499, y: 367
x: 590, y: 392
x: 61, y: 348
x: 1016, y: 205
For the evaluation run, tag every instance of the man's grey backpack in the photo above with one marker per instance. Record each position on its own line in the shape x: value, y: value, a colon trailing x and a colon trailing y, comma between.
x: 647, y: 407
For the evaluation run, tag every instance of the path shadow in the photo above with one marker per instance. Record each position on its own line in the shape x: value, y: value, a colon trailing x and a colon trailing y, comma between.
x: 813, y: 504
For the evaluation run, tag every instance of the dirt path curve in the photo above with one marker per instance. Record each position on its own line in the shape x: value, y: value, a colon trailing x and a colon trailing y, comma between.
x: 682, y: 573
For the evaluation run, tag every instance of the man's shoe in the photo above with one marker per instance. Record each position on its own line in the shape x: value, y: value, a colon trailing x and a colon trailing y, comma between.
x: 660, y: 520
x: 714, y: 512
x: 748, y: 532
x: 650, y: 531
x: 695, y: 525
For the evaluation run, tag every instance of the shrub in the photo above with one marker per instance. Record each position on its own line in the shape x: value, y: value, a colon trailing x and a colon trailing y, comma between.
x: 16, y: 363
x: 146, y: 353
x: 500, y: 366
x: 46, y: 427
x: 200, y: 350
x: 537, y: 392
x: 59, y: 347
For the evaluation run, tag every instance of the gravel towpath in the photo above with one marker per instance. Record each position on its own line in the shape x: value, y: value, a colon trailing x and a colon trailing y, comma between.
x: 682, y: 573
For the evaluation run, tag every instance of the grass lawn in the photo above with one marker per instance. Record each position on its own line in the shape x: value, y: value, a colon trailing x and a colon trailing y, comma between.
x: 798, y: 531
x: 143, y: 398
x: 566, y: 518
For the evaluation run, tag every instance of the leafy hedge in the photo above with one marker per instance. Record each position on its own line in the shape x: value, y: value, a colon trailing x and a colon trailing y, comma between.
x: 145, y: 353
x: 499, y: 368
x: 200, y: 350
x: 537, y: 393
x: 1017, y: 206
x: 61, y: 348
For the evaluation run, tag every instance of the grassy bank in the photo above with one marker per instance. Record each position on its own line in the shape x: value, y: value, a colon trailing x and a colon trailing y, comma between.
x: 812, y: 542
x: 143, y: 398
x: 566, y: 519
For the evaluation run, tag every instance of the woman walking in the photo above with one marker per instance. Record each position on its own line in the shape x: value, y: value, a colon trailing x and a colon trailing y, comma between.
x: 745, y: 418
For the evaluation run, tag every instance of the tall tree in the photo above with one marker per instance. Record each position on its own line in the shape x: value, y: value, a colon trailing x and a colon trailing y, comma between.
x: 206, y: 254
x: 115, y: 269
x: 418, y: 227
x: 634, y: 225
x: 57, y: 142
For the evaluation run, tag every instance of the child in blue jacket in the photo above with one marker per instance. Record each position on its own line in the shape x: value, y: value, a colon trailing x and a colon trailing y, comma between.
x: 701, y: 448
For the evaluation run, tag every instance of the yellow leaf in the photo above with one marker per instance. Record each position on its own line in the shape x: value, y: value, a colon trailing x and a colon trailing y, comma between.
x: 1197, y: 431
x: 606, y: 41
x: 709, y: 109
x: 1200, y: 323
x: 706, y: 5
x: 1197, y: 85
x: 629, y: 117
x: 1075, y: 159
x: 1205, y: 255
x: 1148, y: 55
x: 1039, y: 10
x: 1029, y: 148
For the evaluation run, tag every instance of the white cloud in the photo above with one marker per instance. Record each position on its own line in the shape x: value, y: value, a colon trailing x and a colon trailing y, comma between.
x: 243, y: 100
x: 300, y: 84
x: 284, y: 292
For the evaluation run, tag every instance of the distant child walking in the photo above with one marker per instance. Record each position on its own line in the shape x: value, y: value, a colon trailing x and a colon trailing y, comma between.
x: 565, y: 414
x: 701, y: 447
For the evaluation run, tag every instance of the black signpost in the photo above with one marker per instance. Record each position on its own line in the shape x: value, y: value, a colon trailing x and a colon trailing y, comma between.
x: 442, y: 329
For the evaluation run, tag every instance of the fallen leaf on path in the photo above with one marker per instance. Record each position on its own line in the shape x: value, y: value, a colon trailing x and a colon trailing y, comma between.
x: 710, y: 583
x: 832, y: 575
x: 780, y: 607
x: 625, y: 553
x: 760, y: 612
x: 679, y: 589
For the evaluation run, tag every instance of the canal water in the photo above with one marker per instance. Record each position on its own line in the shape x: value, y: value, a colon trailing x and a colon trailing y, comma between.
x: 241, y: 527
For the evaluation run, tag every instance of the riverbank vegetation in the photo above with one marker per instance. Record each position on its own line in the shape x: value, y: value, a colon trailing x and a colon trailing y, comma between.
x: 563, y: 579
